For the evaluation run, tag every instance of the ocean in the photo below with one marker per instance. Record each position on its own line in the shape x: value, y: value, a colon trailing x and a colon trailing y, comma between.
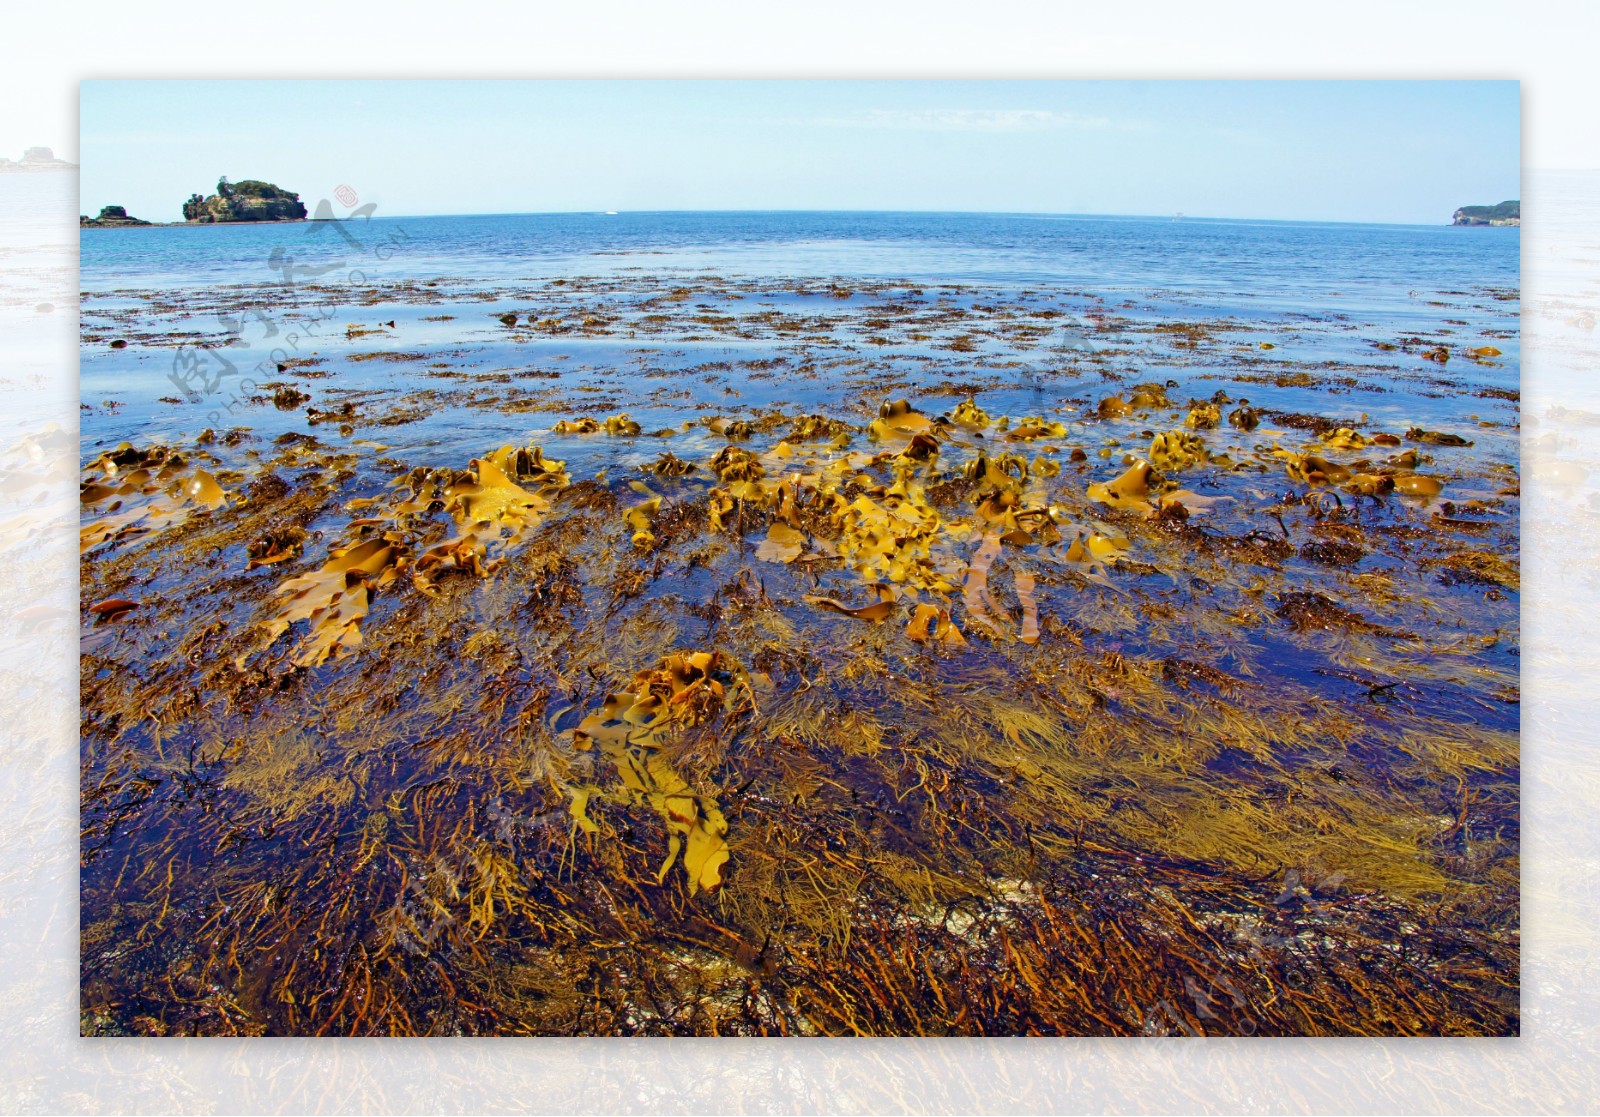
x: 1329, y: 290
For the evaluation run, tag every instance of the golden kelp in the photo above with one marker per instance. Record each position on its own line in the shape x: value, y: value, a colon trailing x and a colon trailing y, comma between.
x: 141, y: 491
x: 1343, y: 438
x: 782, y: 544
x: 1147, y: 397
x: 1311, y: 469
x: 630, y: 730
x: 492, y: 514
x: 1416, y: 484
x: 1034, y: 427
x: 640, y: 517
x: 1092, y: 551
x: 1245, y: 418
x: 876, y: 611
x: 933, y: 623
x: 333, y: 600
x: 1129, y: 492
x: 735, y: 429
x: 463, y: 553
x: 820, y: 428
x: 892, y: 538
x: 914, y: 834
x: 1177, y: 450
x: 616, y: 424
x: 493, y: 501
x: 898, y: 419
x: 968, y: 414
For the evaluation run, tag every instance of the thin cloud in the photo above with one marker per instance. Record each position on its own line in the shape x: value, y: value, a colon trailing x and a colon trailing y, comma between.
x: 964, y: 120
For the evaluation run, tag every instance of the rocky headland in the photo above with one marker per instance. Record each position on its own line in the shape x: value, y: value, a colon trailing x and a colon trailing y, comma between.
x: 1506, y: 213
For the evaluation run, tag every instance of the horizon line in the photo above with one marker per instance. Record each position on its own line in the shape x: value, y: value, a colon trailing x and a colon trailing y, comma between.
x: 1178, y: 216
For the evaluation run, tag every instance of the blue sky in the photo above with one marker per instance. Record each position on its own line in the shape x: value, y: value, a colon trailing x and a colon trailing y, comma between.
x: 1406, y: 152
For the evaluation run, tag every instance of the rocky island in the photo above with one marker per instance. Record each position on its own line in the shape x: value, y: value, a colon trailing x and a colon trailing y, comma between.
x: 36, y: 159
x: 249, y: 200
x: 111, y: 217
x: 1506, y: 213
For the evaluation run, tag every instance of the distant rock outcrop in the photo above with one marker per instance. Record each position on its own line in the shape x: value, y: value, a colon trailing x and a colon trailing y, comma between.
x: 111, y: 217
x: 1506, y: 213
x: 250, y: 200
x: 36, y: 159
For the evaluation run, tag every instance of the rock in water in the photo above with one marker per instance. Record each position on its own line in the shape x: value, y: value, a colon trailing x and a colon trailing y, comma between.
x: 36, y: 159
x: 110, y: 217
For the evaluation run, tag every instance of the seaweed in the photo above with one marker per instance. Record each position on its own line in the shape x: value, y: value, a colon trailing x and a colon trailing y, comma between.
x: 989, y: 722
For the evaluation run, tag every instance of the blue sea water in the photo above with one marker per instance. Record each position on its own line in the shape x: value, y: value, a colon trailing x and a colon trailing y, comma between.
x: 1325, y: 296
x: 1373, y: 265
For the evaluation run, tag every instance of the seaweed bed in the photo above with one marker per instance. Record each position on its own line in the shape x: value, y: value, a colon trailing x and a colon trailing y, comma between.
x: 894, y: 673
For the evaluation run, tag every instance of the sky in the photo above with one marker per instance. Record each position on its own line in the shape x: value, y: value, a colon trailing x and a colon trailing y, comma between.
x: 1379, y: 151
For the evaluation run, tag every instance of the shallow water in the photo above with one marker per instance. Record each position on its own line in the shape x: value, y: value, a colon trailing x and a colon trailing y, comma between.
x: 1320, y: 293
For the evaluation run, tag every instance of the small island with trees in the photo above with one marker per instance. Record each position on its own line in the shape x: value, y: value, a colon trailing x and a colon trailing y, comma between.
x: 249, y: 200
x: 1506, y: 213
x: 111, y: 217
x: 234, y: 203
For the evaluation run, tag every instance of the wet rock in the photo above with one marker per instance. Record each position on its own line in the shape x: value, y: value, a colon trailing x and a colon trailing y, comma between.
x: 1436, y: 438
x: 1312, y: 612
x: 1332, y: 552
